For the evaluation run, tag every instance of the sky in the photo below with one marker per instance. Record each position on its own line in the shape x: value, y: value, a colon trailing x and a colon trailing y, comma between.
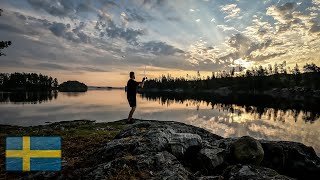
x: 99, y: 42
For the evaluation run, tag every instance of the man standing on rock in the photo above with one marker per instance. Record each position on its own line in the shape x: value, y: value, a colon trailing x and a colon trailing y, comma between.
x: 132, y: 86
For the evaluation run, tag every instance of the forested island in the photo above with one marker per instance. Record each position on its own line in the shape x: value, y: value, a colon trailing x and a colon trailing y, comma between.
x: 73, y: 86
x: 23, y: 82
x: 27, y: 82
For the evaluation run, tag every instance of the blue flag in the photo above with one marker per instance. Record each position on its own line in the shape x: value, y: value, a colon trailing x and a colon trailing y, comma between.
x: 33, y: 153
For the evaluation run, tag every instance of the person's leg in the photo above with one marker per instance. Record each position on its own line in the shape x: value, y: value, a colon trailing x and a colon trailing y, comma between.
x: 131, y: 113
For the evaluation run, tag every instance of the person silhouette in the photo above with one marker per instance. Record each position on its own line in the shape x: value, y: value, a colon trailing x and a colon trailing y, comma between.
x: 132, y: 86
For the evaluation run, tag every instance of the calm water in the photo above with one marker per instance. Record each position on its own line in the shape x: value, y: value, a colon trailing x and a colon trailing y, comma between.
x: 228, y: 117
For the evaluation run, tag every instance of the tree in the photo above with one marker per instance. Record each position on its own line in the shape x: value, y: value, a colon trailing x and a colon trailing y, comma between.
x: 275, y: 69
x: 4, y: 44
x: 232, y: 71
x: 311, y: 68
x: 213, y: 76
x: 296, y: 70
x: 198, y: 75
x: 240, y: 68
x: 248, y: 73
x: 26, y: 81
x: 284, y: 67
x: 260, y: 71
x: 270, y: 68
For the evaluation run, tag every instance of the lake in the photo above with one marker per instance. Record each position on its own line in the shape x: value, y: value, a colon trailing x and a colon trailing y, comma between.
x: 265, y: 118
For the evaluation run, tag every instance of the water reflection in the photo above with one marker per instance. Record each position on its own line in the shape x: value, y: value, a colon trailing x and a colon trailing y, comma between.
x: 259, y: 117
x: 273, y: 108
x: 27, y: 97
x: 73, y: 94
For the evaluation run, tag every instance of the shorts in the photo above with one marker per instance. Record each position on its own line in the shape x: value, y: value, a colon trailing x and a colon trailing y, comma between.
x: 132, y: 101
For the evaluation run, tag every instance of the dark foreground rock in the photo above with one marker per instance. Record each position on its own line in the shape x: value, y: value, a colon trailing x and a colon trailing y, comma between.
x: 172, y: 150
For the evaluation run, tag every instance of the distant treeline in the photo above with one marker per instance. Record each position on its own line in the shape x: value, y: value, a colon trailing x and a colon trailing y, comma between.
x: 27, y: 82
x: 258, y: 78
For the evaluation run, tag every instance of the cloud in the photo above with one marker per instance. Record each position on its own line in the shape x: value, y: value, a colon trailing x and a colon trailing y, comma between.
x: 51, y: 66
x: 232, y: 11
x: 85, y: 7
x: 137, y: 16
x: 283, y: 14
x: 227, y: 28
x: 108, y: 27
x: 59, y: 8
x: 93, y: 34
x: 10, y: 28
x: 64, y: 30
x: 128, y: 34
x: 252, y: 50
x: 161, y: 48
x: 315, y: 28
x: 154, y: 2
x: 240, y: 42
x: 174, y: 18
x: 93, y: 69
x: 262, y: 57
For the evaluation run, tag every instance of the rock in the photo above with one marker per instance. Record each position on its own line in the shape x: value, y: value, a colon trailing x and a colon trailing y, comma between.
x: 163, y: 165
x: 245, y: 172
x: 180, y: 143
x: 211, y: 178
x: 172, y: 150
x: 209, y: 159
x: 292, y: 159
x: 247, y: 150
x: 169, y: 167
x: 273, y: 155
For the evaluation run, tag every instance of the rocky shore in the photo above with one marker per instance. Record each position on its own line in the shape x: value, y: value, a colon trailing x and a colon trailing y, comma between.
x: 172, y: 150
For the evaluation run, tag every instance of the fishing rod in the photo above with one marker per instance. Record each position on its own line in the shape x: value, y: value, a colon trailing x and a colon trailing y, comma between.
x: 144, y: 74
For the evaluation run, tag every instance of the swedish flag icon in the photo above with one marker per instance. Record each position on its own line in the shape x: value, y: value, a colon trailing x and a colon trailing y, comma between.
x: 33, y: 153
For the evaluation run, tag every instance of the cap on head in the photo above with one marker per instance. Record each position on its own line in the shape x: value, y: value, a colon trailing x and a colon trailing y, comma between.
x: 131, y: 74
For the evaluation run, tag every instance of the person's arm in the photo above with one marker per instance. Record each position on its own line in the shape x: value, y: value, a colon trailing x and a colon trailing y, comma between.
x: 141, y: 84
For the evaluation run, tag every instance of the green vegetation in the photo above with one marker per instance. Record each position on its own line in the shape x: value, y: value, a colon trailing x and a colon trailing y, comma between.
x: 256, y: 79
x: 80, y: 140
x: 27, y: 82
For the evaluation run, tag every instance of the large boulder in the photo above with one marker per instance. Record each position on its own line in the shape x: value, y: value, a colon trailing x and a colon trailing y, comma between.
x: 180, y: 143
x: 208, y: 160
x: 247, y: 150
x: 292, y: 159
x: 244, y: 172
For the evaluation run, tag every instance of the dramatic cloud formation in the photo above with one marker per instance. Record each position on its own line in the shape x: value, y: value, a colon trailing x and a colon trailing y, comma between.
x: 104, y: 39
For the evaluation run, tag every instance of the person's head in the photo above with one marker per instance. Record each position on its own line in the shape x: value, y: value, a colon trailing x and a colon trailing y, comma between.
x: 132, y: 75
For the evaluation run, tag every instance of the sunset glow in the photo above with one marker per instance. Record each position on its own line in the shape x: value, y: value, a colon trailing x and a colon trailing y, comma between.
x: 98, y: 42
